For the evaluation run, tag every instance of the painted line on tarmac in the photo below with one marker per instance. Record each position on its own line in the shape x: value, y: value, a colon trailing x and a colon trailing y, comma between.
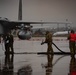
x: 43, y: 39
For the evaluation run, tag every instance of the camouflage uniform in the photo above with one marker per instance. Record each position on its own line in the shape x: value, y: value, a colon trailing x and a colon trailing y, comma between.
x: 9, y: 43
x: 11, y: 40
x: 71, y: 44
x: 48, y: 40
x: 72, y: 47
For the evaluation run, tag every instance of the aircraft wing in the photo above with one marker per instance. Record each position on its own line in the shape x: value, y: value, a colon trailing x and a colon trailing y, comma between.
x: 22, y: 22
x: 24, y: 33
x: 18, y: 23
x: 12, y: 24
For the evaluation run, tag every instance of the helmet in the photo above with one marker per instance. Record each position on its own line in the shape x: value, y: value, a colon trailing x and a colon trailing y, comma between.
x: 47, y: 32
x: 72, y: 31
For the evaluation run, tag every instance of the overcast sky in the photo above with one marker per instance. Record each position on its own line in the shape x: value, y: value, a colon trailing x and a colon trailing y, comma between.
x: 37, y: 10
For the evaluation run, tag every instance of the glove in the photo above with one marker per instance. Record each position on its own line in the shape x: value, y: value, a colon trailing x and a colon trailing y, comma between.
x: 42, y: 43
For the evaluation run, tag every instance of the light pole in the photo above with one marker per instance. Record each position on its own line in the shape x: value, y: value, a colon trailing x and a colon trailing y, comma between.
x: 69, y: 28
x: 66, y: 24
x: 57, y: 26
x: 41, y: 24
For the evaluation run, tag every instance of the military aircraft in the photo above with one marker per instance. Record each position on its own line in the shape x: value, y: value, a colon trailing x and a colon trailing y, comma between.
x: 24, y: 27
x: 61, y: 33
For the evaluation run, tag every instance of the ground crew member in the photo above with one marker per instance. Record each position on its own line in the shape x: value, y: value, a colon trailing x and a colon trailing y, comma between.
x: 6, y: 43
x: 48, y: 40
x: 0, y: 39
x: 71, y: 39
x: 11, y: 41
x: 8, y: 39
x: 75, y: 42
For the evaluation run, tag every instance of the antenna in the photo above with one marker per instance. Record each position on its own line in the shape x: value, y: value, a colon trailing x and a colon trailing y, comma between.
x: 20, y: 10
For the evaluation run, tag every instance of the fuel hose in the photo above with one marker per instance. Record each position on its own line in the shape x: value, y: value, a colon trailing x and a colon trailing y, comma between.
x: 58, y: 48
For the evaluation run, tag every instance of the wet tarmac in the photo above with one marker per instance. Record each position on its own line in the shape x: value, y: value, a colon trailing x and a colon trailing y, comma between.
x: 36, y: 64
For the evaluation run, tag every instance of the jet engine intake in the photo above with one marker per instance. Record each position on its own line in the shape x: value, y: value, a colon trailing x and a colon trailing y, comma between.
x: 24, y: 35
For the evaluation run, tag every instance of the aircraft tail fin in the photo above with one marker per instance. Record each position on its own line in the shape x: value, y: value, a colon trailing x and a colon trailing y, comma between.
x: 20, y: 10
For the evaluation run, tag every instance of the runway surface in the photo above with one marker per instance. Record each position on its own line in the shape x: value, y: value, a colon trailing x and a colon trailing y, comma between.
x: 32, y: 63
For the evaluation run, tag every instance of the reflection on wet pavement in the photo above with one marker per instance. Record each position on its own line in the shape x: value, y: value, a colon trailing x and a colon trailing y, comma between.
x: 26, y: 70
x: 8, y: 65
x: 49, y: 65
x: 34, y: 64
x: 72, y: 66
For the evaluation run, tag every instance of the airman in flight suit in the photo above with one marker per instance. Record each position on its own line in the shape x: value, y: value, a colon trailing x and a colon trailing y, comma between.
x: 49, y: 42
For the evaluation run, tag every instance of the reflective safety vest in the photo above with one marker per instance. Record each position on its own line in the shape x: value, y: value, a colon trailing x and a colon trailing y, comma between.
x: 75, y: 36
x: 72, y: 37
x: 73, y: 73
